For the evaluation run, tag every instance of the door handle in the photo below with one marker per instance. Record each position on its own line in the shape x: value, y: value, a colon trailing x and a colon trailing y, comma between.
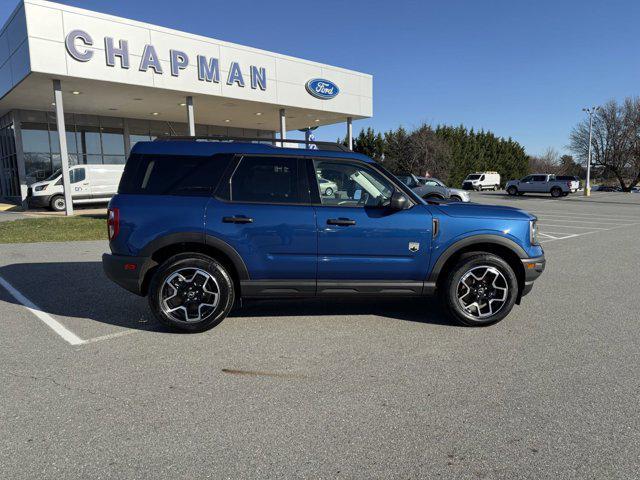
x: 343, y: 222
x: 237, y: 220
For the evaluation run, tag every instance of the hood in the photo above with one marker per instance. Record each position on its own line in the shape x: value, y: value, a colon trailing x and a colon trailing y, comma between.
x: 475, y: 210
x: 37, y: 184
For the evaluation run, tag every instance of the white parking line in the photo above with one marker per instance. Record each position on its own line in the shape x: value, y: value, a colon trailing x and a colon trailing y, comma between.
x: 52, y: 323
x: 570, y: 226
x: 557, y: 218
x: 580, y: 214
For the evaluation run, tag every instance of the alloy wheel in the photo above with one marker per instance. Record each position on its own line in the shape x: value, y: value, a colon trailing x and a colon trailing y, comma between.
x: 189, y: 295
x: 482, y: 291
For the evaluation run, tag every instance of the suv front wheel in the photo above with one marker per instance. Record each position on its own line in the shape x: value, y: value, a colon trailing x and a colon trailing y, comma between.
x: 480, y: 289
x: 191, y: 292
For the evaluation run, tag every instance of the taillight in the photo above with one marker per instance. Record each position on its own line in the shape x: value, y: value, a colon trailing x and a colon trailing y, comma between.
x: 113, y: 222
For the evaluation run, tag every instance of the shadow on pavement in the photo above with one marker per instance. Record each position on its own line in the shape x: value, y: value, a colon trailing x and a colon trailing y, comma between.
x: 81, y: 290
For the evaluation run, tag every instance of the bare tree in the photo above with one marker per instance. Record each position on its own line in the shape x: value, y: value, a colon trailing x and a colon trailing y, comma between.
x: 549, y: 162
x: 615, y: 142
x: 428, y: 153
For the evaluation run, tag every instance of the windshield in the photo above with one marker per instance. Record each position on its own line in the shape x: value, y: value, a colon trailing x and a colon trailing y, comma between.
x: 407, y: 180
x: 53, y: 176
x: 473, y: 177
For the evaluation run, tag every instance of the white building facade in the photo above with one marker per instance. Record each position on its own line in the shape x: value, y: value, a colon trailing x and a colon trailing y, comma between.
x: 121, y: 81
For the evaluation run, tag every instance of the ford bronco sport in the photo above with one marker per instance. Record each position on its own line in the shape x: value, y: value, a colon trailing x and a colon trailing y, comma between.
x: 198, y: 225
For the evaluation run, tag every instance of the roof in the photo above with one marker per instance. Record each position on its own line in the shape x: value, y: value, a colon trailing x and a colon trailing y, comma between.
x: 200, y: 148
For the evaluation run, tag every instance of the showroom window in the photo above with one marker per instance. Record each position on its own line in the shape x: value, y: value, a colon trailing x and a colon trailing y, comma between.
x: 90, y: 140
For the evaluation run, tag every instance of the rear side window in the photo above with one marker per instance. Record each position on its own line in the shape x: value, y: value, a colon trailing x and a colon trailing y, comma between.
x: 539, y: 178
x: 173, y: 175
x: 266, y: 180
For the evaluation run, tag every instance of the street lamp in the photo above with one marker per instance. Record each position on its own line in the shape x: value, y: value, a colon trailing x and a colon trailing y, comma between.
x: 587, y: 187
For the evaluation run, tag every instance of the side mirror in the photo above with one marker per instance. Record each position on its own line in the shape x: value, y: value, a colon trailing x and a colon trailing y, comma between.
x: 398, y: 201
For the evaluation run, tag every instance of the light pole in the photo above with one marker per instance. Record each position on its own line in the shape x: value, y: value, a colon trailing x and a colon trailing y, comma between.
x: 587, y: 186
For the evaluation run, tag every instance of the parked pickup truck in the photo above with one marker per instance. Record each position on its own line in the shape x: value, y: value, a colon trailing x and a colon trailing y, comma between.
x: 540, y: 183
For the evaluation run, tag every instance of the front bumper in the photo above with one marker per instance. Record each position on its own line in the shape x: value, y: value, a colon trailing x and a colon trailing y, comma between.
x: 533, y: 268
x: 39, y: 201
x: 128, y: 272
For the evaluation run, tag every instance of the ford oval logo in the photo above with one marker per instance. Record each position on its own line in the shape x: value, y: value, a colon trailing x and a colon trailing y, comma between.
x: 322, y: 89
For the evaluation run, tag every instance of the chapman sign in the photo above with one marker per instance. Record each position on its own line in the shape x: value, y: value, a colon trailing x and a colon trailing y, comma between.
x: 208, y: 68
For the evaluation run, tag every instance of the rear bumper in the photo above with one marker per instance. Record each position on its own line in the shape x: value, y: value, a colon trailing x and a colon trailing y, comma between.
x: 128, y: 272
x: 533, y: 268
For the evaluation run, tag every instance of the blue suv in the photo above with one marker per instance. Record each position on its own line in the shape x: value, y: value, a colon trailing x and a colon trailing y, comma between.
x: 198, y: 225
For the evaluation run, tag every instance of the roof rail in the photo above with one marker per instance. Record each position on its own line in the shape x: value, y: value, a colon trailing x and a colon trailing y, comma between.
x: 273, y: 141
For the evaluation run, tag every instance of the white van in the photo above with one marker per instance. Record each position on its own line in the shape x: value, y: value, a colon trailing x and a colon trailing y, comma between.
x: 89, y: 184
x: 482, y: 181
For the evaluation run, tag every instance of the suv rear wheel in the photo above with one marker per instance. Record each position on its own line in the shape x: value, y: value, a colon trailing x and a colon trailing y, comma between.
x: 480, y: 289
x: 556, y: 192
x: 191, y: 292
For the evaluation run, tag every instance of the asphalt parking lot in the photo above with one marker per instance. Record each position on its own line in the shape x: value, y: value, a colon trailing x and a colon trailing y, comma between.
x: 92, y: 387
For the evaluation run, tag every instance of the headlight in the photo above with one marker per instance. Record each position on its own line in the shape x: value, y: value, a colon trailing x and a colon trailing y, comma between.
x: 533, y: 232
x: 39, y: 188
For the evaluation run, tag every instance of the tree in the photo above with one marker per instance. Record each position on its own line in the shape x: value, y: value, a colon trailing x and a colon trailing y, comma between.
x: 370, y: 144
x: 428, y: 154
x: 615, y: 142
x: 396, y: 149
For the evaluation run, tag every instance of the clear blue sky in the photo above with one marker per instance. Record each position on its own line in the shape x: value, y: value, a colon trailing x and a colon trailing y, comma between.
x: 518, y: 68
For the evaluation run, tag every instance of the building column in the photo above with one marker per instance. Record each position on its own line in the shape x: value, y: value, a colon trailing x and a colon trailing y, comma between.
x: 22, y: 171
x: 191, y: 117
x: 64, y: 153
x: 350, y: 133
x: 283, y: 126
x: 127, y: 137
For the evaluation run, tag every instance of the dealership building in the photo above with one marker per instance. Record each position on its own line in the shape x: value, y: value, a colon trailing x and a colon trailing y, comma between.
x: 103, y: 83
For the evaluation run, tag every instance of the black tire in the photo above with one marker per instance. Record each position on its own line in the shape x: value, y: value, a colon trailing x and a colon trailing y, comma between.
x: 328, y: 192
x: 452, y: 289
x: 188, y: 262
x: 58, y: 204
x: 512, y: 190
x: 455, y: 198
x: 556, y: 192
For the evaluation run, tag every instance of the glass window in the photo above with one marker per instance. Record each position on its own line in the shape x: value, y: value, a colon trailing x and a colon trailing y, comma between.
x: 93, y: 159
x: 408, y: 180
x: 77, y: 175
x: 266, y: 180
x: 169, y: 175
x: 526, y: 179
x: 89, y: 139
x: 351, y: 185
x: 35, y: 137
x: 37, y: 166
x: 139, y: 138
x: 539, y: 178
x: 112, y: 141
x: 71, y: 140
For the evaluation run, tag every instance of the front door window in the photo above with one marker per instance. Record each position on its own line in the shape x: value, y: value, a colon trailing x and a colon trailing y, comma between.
x: 351, y: 185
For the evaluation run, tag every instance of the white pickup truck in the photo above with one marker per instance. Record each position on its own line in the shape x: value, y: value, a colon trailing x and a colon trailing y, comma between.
x: 540, y: 183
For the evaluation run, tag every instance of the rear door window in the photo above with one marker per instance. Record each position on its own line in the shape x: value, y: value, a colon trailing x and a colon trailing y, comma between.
x: 539, y: 178
x: 173, y: 175
x: 267, y: 180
